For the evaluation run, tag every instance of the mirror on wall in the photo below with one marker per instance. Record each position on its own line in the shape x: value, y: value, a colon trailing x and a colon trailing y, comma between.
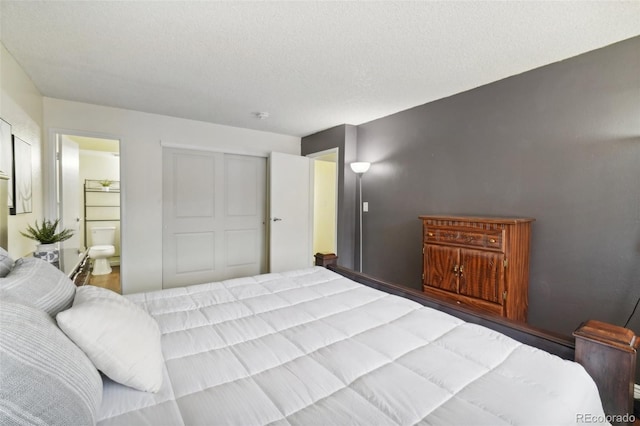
x: 88, y: 202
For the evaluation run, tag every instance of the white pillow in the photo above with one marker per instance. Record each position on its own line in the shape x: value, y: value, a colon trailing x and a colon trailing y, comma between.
x: 119, y: 337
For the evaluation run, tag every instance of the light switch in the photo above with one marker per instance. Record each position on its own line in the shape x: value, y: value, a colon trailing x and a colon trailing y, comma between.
x: 365, y: 206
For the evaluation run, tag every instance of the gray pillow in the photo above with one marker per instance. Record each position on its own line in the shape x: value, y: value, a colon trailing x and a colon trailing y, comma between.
x: 6, y: 263
x: 46, y: 379
x: 40, y: 284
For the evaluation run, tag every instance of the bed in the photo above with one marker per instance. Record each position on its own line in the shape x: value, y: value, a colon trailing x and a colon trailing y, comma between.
x: 309, y: 346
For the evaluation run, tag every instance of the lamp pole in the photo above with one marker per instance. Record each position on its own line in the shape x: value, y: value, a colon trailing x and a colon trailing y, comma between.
x: 360, y: 168
x: 360, y: 190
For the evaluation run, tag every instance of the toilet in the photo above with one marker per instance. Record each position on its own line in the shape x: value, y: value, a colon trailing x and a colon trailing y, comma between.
x: 103, y: 240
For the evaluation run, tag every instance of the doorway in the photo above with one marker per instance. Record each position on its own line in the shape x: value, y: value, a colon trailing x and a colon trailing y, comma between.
x: 87, y: 171
x: 325, y: 201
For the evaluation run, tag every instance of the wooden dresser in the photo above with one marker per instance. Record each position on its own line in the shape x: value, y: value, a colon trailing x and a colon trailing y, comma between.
x: 478, y: 262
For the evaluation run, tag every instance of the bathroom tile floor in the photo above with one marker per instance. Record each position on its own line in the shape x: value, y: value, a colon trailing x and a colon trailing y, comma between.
x: 110, y: 281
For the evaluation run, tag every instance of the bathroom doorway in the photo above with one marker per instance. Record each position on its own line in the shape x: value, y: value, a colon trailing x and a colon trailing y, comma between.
x: 325, y: 201
x: 88, y: 201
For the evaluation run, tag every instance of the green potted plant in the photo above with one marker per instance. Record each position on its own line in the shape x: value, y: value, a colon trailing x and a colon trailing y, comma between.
x: 106, y: 184
x: 48, y: 238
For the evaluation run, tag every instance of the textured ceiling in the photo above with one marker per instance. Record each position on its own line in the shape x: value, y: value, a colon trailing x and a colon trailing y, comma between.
x: 311, y: 65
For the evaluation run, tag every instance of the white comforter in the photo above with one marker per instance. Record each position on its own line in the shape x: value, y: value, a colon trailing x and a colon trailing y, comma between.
x: 310, y: 347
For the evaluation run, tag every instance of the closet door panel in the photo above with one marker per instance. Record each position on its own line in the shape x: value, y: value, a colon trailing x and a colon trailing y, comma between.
x: 192, y: 181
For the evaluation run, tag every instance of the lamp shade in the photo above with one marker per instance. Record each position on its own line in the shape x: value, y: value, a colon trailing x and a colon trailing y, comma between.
x: 360, y: 166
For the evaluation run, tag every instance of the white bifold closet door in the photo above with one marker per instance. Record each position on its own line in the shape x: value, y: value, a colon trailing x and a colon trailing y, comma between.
x: 214, y: 207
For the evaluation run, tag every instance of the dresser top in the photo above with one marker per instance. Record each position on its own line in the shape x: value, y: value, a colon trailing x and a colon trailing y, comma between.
x: 483, y: 219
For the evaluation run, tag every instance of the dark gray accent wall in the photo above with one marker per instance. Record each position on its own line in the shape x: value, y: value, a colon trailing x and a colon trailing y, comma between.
x: 559, y: 143
x: 344, y: 138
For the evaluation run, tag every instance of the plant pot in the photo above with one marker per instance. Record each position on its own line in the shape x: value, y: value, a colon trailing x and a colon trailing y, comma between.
x: 105, y: 188
x: 47, y: 252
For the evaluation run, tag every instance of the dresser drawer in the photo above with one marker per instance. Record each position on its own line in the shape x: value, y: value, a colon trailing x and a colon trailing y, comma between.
x: 494, y: 239
x: 484, y: 239
x: 430, y: 234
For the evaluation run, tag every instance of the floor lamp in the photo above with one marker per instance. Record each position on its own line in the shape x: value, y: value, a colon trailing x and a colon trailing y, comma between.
x: 360, y: 168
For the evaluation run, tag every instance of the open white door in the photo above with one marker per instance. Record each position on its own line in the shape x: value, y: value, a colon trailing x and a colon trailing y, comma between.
x: 70, y: 190
x: 290, y: 212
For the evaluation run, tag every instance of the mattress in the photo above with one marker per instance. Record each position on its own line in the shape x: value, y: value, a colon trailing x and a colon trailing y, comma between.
x: 312, y: 347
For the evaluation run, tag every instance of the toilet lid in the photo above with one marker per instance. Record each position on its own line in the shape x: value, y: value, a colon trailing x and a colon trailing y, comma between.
x: 104, y: 247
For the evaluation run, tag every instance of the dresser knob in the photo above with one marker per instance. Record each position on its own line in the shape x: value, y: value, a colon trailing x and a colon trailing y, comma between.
x: 492, y: 240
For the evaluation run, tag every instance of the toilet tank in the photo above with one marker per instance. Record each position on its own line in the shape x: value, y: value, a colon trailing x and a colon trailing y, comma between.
x: 103, y: 235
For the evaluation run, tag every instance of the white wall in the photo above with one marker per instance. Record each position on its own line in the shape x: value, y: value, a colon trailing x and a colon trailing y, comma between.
x: 140, y: 135
x: 98, y: 165
x: 21, y: 106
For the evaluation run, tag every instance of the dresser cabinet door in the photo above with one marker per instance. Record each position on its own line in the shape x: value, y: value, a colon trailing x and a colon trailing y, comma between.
x: 481, y: 275
x: 441, y: 267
